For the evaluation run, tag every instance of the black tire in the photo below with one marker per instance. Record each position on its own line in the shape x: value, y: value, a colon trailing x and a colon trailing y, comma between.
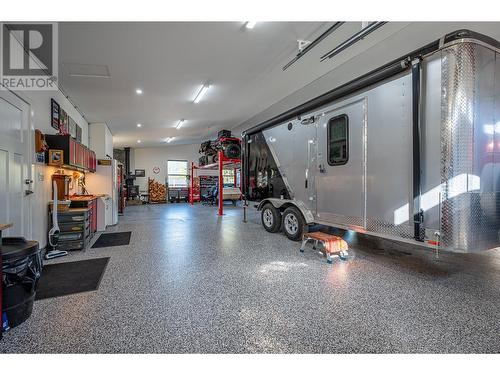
x: 293, y: 224
x: 271, y: 218
x: 232, y: 151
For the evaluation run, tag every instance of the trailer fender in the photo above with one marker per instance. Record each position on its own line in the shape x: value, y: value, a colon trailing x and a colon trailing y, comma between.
x: 282, y: 204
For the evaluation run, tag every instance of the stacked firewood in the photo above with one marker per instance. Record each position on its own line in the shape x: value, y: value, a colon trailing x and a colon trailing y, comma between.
x: 157, y: 191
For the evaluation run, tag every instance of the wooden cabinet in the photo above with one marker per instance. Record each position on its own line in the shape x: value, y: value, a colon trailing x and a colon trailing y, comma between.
x: 75, y: 154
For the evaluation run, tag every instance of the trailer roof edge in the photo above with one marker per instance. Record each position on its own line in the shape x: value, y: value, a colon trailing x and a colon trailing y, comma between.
x: 383, y: 72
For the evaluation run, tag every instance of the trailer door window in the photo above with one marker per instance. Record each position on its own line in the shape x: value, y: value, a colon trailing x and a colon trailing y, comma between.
x: 338, y: 140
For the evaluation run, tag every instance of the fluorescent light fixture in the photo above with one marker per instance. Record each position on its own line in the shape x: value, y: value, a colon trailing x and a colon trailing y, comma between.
x: 250, y: 24
x: 138, y: 141
x: 139, y: 125
x: 138, y: 91
x: 201, y: 93
x: 179, y: 124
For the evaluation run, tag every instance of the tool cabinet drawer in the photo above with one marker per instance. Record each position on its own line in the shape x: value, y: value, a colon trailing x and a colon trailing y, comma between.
x: 77, y: 226
x: 71, y: 218
x: 71, y: 236
x: 71, y: 245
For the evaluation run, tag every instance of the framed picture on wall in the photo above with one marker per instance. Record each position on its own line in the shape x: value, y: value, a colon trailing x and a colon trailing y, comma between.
x: 56, y: 157
x: 78, y: 133
x: 72, y: 128
x: 140, y: 173
x: 63, y: 121
x: 54, y: 112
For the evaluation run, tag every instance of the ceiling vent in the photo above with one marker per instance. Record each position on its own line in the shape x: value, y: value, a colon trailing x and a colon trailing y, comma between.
x: 87, y: 70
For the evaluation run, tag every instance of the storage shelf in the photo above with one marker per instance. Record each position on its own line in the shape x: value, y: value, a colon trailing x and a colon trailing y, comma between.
x: 222, y: 163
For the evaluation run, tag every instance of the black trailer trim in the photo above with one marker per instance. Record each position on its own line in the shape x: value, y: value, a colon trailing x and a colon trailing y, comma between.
x: 386, y: 71
x: 418, y: 214
x: 245, y: 166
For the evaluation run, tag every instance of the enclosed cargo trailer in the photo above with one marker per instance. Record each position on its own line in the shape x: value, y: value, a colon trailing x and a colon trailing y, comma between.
x: 409, y: 151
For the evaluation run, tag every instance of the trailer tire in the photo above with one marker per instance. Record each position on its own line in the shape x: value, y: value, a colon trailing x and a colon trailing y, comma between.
x: 293, y: 224
x: 271, y: 218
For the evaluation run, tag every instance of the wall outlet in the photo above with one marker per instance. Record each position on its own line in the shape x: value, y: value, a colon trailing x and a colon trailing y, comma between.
x: 41, y: 177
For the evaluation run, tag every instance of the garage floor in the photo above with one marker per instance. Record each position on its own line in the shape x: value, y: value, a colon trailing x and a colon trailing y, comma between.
x: 191, y: 282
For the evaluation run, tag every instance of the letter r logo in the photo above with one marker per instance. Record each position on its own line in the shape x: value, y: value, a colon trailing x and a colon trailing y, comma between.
x: 27, y: 49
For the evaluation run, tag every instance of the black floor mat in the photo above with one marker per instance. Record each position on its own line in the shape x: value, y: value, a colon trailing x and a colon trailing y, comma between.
x: 112, y: 239
x: 62, y: 279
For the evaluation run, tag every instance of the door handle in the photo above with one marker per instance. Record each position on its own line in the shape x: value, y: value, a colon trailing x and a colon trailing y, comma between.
x: 28, y: 192
x: 306, y: 184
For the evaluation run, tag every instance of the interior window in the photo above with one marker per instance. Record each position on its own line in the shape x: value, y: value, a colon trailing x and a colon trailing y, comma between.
x: 228, y: 176
x: 177, y: 171
x: 338, y: 140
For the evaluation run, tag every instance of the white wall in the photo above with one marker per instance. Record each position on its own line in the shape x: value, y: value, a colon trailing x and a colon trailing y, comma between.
x: 101, y: 140
x: 148, y: 158
x: 40, y: 116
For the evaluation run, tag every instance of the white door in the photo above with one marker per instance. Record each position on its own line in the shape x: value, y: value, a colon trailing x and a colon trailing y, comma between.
x: 15, y: 171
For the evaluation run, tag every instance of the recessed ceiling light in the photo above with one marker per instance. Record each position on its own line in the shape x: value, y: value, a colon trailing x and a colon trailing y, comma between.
x: 139, y: 125
x: 138, y: 141
x: 138, y: 91
x: 250, y: 24
x: 169, y: 139
x: 179, y: 124
x: 201, y: 93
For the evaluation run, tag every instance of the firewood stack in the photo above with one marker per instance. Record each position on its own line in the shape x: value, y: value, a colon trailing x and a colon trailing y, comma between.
x: 157, y: 191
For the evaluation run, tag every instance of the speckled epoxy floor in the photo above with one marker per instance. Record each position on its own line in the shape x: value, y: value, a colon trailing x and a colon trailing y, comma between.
x: 192, y: 282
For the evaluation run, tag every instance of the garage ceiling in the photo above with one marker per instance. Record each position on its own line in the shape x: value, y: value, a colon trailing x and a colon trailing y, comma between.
x: 101, y: 65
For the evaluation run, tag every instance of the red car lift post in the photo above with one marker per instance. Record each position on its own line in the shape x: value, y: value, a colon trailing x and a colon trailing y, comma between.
x: 221, y: 183
x: 219, y: 166
x: 191, y: 191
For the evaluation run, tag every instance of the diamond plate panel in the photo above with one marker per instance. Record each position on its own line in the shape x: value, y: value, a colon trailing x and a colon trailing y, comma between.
x: 381, y: 226
x: 342, y: 219
x: 464, y: 226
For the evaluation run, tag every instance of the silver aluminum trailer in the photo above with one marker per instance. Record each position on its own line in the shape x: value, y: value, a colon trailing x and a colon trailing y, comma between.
x: 409, y: 151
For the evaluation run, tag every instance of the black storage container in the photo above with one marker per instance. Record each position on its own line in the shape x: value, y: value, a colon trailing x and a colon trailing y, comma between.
x: 224, y: 134
x: 21, y: 270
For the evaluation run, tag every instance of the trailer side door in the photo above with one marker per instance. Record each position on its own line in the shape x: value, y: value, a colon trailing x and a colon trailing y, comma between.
x: 340, y: 182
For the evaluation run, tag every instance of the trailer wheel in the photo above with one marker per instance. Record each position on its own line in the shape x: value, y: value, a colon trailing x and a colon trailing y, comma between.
x: 293, y: 224
x: 271, y: 218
